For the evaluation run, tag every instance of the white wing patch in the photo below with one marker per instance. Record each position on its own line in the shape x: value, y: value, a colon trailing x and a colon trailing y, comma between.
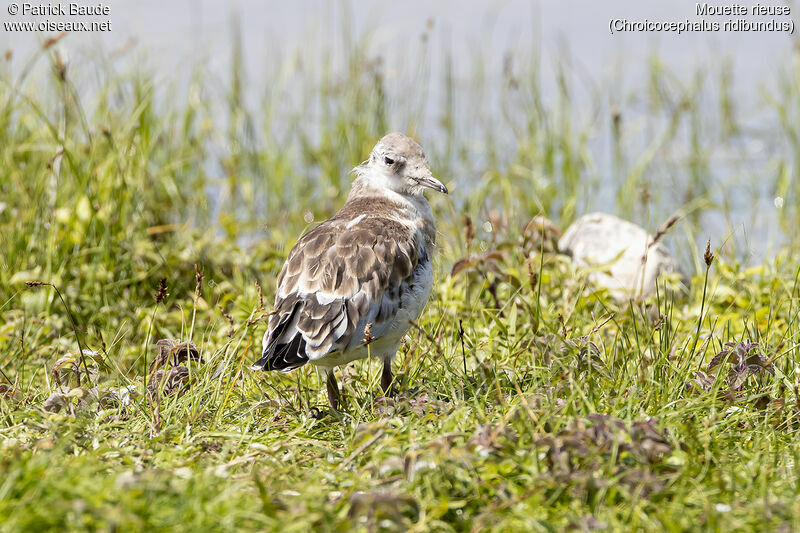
x: 355, y: 221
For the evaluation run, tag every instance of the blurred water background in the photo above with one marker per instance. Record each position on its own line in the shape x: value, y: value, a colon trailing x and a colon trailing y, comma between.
x: 523, y: 106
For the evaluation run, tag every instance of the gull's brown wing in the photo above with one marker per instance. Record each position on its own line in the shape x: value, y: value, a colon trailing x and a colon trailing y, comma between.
x: 338, y: 277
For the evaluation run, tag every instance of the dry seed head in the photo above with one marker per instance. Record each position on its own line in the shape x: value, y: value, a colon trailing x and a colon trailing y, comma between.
x: 161, y: 292
x: 508, y: 70
x: 664, y: 229
x: 260, y: 296
x: 198, y: 281
x: 616, y: 116
x: 62, y: 62
x: 708, y: 257
x: 533, y: 276
x: 50, y: 41
x: 564, y: 330
x: 36, y: 283
x: 229, y: 318
x: 368, y: 333
x: 469, y: 231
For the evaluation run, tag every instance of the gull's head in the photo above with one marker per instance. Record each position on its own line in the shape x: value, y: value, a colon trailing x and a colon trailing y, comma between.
x: 398, y: 163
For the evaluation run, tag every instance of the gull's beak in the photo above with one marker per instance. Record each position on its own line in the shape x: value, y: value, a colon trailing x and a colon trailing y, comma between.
x: 429, y: 182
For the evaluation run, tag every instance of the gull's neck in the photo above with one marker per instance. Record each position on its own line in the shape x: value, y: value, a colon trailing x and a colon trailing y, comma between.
x: 371, y: 184
x: 412, y: 210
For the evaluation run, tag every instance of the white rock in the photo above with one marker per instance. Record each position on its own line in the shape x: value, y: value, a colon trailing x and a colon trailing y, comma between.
x: 615, y: 249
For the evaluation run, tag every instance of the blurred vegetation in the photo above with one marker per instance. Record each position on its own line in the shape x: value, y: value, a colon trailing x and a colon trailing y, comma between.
x: 528, y: 399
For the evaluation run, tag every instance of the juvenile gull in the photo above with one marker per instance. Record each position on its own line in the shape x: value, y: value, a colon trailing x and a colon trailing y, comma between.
x: 370, y: 264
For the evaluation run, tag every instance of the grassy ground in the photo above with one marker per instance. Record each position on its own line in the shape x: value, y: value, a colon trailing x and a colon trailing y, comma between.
x: 527, y: 399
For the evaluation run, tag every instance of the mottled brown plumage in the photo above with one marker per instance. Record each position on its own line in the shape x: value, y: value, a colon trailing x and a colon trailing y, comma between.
x: 337, y: 271
x: 368, y: 264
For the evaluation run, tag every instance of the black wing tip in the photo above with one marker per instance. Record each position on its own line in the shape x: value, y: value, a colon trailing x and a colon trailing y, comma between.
x: 259, y: 365
x: 283, y: 357
x: 267, y: 365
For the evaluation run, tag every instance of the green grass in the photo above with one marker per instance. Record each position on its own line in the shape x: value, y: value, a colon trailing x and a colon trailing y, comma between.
x: 528, y: 399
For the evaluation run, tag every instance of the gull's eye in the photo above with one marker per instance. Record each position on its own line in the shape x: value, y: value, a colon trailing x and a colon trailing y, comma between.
x: 388, y: 160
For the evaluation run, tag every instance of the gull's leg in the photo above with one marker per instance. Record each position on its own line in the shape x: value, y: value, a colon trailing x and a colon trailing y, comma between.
x: 386, y: 377
x: 333, y: 391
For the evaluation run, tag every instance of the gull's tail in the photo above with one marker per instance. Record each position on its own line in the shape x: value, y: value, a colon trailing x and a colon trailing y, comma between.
x: 284, y: 346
